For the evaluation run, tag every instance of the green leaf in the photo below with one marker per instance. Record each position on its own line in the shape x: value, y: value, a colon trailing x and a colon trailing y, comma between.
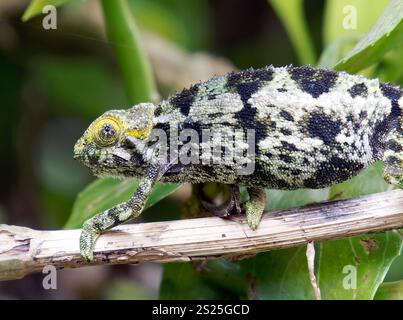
x: 336, y: 50
x: 277, y: 199
x: 278, y: 275
x: 121, y: 289
x: 182, y: 281
x: 36, y: 7
x: 367, y: 182
x: 386, y: 32
x: 105, y: 193
x: 365, y: 259
x: 291, y: 14
x: 349, y: 18
x: 126, y: 42
x: 390, y: 291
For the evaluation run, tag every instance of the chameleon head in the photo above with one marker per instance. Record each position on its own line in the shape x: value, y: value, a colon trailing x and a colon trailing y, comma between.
x: 114, y: 144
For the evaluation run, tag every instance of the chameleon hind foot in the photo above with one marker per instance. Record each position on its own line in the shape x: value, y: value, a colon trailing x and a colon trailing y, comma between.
x: 393, y: 166
x: 230, y: 207
x: 255, y: 206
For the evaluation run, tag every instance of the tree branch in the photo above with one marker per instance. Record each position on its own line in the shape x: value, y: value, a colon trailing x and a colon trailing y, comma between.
x: 23, y: 250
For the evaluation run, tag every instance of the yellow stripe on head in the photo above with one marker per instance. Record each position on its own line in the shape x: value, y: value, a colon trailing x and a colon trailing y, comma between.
x: 142, y: 133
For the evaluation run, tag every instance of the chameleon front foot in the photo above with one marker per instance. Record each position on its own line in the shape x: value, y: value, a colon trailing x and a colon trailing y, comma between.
x: 88, y: 236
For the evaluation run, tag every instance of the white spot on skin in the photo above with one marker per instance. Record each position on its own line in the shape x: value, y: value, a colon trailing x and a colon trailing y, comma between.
x: 121, y: 153
x: 124, y: 215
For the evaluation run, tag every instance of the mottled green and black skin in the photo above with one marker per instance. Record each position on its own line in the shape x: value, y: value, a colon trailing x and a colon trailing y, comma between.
x: 314, y: 128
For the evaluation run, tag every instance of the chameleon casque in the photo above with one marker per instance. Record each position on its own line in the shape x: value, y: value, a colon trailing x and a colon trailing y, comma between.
x: 313, y: 128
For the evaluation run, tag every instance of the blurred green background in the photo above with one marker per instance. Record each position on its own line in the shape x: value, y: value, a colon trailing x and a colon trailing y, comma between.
x: 53, y: 83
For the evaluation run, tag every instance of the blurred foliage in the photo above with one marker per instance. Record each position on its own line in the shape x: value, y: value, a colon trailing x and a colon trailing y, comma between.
x: 121, y: 289
x: 125, y: 39
x: 291, y: 14
x: 390, y: 291
x: 36, y: 6
x: 359, y: 15
x: 55, y: 82
x: 385, y: 34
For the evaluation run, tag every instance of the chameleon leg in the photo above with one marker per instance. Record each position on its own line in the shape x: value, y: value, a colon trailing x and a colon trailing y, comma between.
x: 254, y: 207
x: 130, y: 209
x: 393, y: 169
x: 231, y: 206
x: 393, y: 161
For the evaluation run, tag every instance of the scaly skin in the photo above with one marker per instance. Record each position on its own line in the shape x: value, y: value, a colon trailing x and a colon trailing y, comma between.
x: 312, y: 128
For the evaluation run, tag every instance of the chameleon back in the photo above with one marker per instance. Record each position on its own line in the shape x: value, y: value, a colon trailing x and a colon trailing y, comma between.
x: 313, y: 127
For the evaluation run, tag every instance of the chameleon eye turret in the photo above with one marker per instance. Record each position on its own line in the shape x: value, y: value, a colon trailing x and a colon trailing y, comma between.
x: 313, y: 128
x: 107, y: 131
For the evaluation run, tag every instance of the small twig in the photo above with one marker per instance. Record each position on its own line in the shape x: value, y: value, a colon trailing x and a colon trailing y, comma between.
x: 310, y: 257
x: 23, y: 250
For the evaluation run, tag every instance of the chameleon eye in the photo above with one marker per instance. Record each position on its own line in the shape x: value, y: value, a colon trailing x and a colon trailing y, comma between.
x: 107, y: 131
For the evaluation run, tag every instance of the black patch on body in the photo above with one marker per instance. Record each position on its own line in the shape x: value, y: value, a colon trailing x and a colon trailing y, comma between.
x: 333, y: 171
x: 246, y: 83
x: 359, y: 89
x: 313, y: 81
x: 323, y: 127
x: 285, y: 158
x: 128, y: 144
x: 286, y: 115
x: 184, y: 99
x: 381, y: 129
x: 285, y: 132
x: 158, y: 111
x: 296, y: 172
x: 363, y: 114
x: 120, y: 161
x: 137, y: 159
x: 93, y: 160
x: 390, y: 92
x: 394, y: 146
x: 260, y: 134
x: 393, y: 94
x: 288, y: 146
x: 392, y: 161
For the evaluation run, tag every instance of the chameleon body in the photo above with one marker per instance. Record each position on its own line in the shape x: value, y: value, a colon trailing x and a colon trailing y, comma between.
x: 312, y: 128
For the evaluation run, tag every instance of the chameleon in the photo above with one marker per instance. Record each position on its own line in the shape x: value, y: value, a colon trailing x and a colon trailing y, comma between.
x: 313, y: 128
